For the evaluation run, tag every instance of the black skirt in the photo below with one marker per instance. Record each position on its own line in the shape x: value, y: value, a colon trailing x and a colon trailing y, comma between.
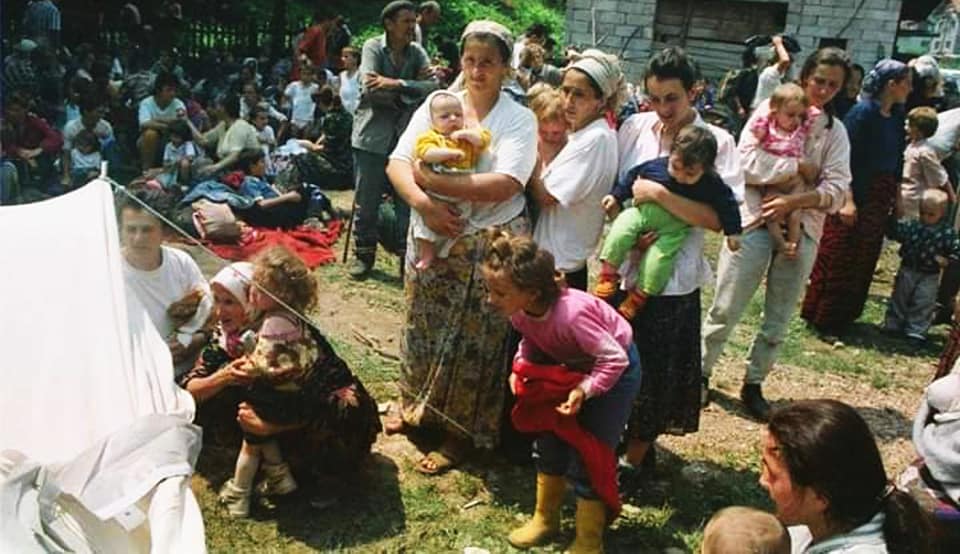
x: 667, y: 335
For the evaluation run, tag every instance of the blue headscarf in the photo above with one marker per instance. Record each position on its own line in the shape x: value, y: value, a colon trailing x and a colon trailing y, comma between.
x: 885, y: 71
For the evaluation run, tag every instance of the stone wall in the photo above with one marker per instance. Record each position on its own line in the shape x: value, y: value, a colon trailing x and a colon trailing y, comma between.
x: 627, y: 27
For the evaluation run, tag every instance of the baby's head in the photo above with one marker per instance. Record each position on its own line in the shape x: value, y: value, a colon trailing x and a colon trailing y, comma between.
x: 933, y: 204
x: 738, y: 530
x: 179, y: 132
x: 87, y: 142
x: 788, y: 106
x: 281, y: 272
x: 693, y: 153
x: 922, y: 123
x: 446, y: 113
x: 943, y: 395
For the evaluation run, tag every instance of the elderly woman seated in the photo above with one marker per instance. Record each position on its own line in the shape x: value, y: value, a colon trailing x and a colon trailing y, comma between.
x: 335, y: 439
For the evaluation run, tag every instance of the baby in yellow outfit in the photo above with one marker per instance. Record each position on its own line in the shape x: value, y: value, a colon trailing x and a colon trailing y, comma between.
x: 448, y: 148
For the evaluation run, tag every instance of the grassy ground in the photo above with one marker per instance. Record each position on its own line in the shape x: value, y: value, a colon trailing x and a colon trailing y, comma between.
x: 392, y: 508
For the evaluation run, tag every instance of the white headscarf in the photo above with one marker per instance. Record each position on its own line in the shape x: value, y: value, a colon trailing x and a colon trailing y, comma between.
x: 236, y: 278
x: 604, y: 70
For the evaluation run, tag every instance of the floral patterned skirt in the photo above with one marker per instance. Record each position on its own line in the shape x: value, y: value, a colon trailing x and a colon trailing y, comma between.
x: 455, y: 360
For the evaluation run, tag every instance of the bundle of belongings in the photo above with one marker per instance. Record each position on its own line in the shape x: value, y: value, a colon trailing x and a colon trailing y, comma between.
x: 96, y: 440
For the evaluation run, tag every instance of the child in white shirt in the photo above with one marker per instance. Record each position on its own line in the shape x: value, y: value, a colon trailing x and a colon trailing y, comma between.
x: 300, y: 93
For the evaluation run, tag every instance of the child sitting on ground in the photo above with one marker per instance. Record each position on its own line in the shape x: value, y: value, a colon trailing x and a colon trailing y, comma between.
x: 782, y: 133
x: 281, y: 362
x: 448, y: 148
x: 260, y: 118
x: 178, y: 157
x: 926, y: 246
x: 687, y: 171
x: 85, y: 158
x: 922, y: 169
x: 738, y: 530
x: 575, y: 375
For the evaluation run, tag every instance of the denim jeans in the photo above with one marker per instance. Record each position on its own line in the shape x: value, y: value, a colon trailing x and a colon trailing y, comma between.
x: 739, y: 275
x: 604, y: 416
x: 911, y: 305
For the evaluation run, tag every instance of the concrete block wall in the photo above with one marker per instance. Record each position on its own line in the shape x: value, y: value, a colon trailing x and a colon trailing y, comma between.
x: 625, y: 27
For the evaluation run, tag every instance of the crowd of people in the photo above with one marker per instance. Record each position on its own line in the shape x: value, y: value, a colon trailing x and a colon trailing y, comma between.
x: 506, y: 176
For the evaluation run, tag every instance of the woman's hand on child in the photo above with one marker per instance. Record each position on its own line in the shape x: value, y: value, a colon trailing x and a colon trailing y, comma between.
x: 808, y: 171
x: 646, y: 240
x: 776, y: 206
x: 238, y: 372
x: 574, y: 402
x: 645, y: 190
x: 848, y: 214
x: 441, y: 217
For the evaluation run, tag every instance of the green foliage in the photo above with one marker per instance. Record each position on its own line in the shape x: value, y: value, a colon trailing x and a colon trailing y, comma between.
x: 516, y: 15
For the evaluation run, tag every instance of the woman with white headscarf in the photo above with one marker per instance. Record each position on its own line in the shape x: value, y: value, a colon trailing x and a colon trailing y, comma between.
x: 454, y: 343
x: 573, y: 184
x: 334, y: 437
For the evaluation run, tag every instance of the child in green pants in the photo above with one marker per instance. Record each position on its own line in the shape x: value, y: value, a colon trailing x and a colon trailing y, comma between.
x: 687, y: 171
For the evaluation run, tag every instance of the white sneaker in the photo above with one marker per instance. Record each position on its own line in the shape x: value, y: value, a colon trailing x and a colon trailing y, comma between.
x: 236, y: 500
x: 278, y: 480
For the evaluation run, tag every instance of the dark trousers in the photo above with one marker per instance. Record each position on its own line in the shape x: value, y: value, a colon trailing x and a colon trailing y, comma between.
x: 371, y: 186
x: 577, y: 279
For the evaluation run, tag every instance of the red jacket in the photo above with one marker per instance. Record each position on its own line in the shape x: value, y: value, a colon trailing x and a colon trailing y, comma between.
x: 539, y: 390
x: 33, y: 133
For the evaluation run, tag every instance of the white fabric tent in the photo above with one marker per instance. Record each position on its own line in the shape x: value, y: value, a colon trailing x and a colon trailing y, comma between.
x: 96, y: 444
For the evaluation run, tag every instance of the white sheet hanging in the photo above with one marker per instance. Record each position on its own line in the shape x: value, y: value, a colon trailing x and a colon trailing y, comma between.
x: 80, y: 359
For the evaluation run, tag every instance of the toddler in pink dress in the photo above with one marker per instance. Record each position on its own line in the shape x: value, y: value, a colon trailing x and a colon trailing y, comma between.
x: 782, y: 133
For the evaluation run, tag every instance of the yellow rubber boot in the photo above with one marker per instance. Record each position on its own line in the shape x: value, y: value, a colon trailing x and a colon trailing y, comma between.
x: 546, y: 516
x: 591, y: 523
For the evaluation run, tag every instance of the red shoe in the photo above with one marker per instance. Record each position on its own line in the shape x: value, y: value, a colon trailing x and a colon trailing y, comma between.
x: 606, y: 287
x: 633, y: 305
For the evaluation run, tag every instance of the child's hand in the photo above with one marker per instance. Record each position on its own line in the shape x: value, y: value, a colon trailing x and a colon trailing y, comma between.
x: 610, y: 206
x: 513, y: 383
x: 574, y: 402
x: 469, y: 135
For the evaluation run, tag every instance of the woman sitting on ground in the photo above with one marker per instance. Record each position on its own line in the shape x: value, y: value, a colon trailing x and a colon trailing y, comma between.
x: 823, y: 471
x: 337, y: 438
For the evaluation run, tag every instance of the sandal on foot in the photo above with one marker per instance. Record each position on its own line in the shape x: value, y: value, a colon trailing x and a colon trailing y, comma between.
x: 435, y: 463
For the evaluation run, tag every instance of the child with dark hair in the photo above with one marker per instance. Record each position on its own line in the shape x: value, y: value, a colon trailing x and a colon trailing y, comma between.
x: 922, y: 169
x: 575, y: 375
x: 85, y: 158
x: 687, y: 171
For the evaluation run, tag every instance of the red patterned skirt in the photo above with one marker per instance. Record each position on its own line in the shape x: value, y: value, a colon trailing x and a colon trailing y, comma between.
x: 846, y: 259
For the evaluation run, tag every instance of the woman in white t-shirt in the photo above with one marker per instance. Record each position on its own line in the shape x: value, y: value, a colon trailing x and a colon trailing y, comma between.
x: 571, y: 216
x: 350, y: 79
x: 447, y: 318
